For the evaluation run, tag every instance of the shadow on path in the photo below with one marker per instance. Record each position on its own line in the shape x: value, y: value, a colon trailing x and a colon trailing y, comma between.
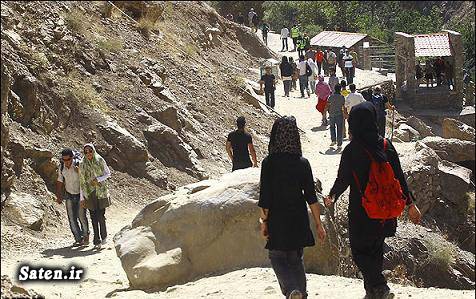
x: 318, y: 129
x: 70, y: 252
x: 331, y: 151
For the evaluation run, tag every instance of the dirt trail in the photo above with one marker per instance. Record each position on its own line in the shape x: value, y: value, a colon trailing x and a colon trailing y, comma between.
x: 103, y: 268
x: 316, y: 140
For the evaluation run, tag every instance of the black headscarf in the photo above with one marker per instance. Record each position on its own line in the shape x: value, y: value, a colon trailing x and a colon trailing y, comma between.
x: 285, y: 137
x: 363, y: 127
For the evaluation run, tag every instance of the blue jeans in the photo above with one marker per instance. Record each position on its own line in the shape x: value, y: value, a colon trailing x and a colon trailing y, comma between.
x: 303, y: 84
x: 76, y: 212
x: 335, y: 123
x: 289, y: 269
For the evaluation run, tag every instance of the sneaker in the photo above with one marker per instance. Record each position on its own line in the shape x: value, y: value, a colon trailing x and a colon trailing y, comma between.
x: 339, y: 147
x: 383, y: 293
x: 333, y: 143
x: 295, y: 294
x: 104, y: 241
x: 97, y: 246
x: 77, y: 244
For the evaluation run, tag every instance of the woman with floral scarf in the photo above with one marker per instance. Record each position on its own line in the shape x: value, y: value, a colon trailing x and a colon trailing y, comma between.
x: 93, y: 172
x: 286, y: 186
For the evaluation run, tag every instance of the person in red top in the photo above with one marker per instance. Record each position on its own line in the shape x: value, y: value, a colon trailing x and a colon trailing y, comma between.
x: 319, y: 58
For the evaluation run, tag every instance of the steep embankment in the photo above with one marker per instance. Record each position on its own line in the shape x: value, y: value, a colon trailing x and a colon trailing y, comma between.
x: 157, y: 97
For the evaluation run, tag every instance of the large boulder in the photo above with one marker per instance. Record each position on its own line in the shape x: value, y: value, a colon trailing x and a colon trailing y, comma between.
x: 127, y: 153
x: 428, y: 258
x: 453, y: 150
x: 26, y: 87
x: 406, y: 133
x: 453, y: 128
x: 169, y: 117
x: 165, y: 144
x: 207, y: 227
x: 26, y: 210
x: 423, y: 129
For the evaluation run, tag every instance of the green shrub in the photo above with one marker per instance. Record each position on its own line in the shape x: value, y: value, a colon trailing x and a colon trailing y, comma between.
x: 110, y: 44
x: 76, y: 21
x: 440, y: 254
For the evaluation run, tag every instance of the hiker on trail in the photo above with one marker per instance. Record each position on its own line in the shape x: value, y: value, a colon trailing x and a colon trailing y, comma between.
x: 284, y: 38
x: 418, y: 74
x: 319, y: 59
x: 240, y: 19
x: 93, y: 172
x: 331, y: 60
x: 354, y: 98
x: 307, y: 41
x: 449, y: 75
x: 340, y: 61
x: 295, y: 75
x: 333, y: 80
x: 300, y: 45
x: 255, y: 22
x: 239, y: 146
x: 286, y: 185
x: 381, y: 103
x: 428, y: 73
x: 304, y: 73
x: 310, y: 53
x: 269, y: 81
x: 344, y: 92
x: 355, y: 60
x: 349, y: 66
x: 286, y: 75
x: 325, y: 64
x: 439, y: 68
x: 313, y: 77
x: 295, y: 36
x: 367, y: 235
x: 264, y: 32
x: 68, y: 176
x: 251, y: 15
x: 335, y: 108
x: 323, y: 91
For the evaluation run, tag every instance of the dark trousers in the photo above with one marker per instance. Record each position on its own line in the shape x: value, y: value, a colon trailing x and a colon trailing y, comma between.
x: 294, y: 43
x: 287, y: 87
x: 301, y: 52
x: 289, y: 269
x: 285, y: 44
x: 381, y: 122
x: 335, y: 125
x: 349, y: 75
x: 368, y: 256
x: 265, y: 38
x: 319, y: 66
x: 303, y: 84
x: 269, y: 95
x: 99, y: 225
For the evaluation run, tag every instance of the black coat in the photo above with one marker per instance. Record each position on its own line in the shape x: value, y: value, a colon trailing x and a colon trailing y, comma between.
x: 354, y: 158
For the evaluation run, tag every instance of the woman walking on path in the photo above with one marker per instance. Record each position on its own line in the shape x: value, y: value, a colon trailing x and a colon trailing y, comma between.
x: 286, y: 75
x: 94, y: 192
x: 286, y: 185
x: 323, y: 91
x: 335, y: 107
x: 367, y: 235
x: 295, y: 75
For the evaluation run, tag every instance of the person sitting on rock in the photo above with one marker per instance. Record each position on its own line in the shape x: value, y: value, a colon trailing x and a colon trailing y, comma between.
x: 367, y: 235
x: 68, y: 176
x: 239, y: 146
x: 94, y: 193
x: 286, y: 185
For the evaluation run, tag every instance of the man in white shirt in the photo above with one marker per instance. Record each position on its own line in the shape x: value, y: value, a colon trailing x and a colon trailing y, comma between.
x: 68, y: 176
x: 352, y: 99
x: 304, y: 72
x: 348, y: 65
x: 284, y: 37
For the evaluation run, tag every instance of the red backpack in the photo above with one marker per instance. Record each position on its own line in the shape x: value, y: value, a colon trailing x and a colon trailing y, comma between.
x: 383, y: 197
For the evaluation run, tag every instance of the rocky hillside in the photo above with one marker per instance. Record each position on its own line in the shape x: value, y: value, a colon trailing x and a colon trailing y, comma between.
x: 155, y: 90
